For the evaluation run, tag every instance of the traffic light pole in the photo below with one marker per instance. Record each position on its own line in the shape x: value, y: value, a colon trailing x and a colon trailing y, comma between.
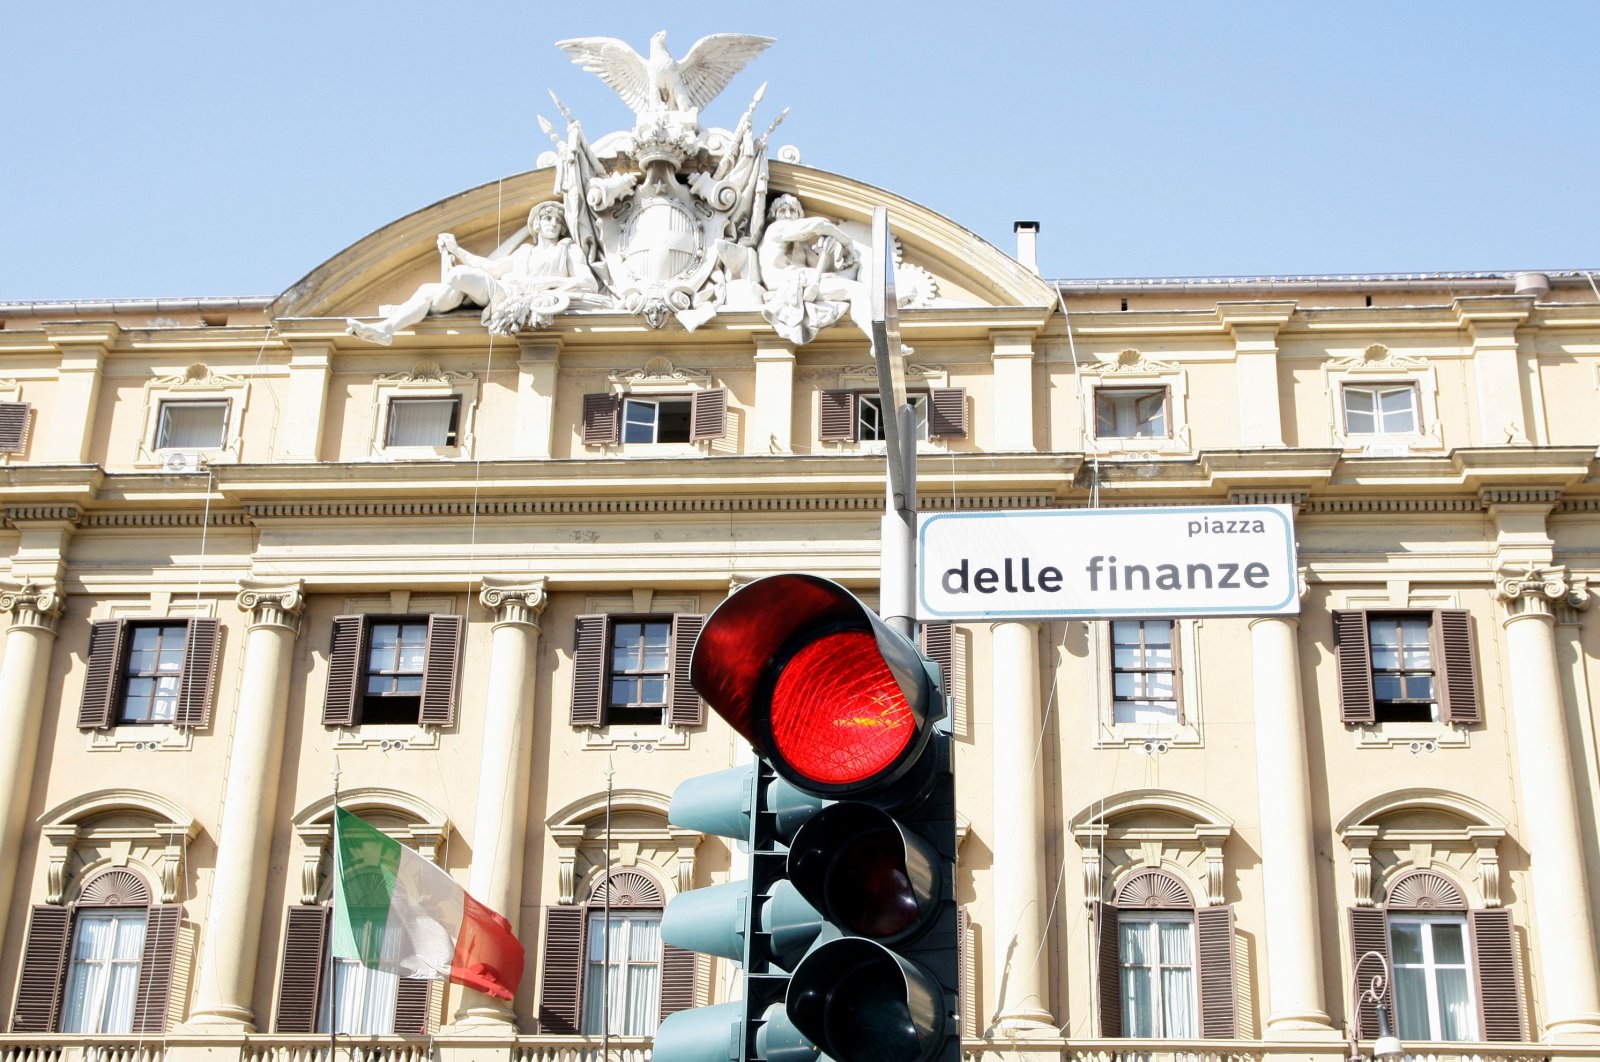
x: 897, y: 560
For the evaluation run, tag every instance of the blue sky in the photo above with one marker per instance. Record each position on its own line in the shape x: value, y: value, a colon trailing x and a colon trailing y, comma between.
x: 187, y: 149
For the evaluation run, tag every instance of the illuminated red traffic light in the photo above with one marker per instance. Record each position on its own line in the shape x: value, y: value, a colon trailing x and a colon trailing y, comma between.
x: 838, y: 716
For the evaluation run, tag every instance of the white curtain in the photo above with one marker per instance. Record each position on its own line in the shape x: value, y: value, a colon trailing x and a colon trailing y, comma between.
x: 623, y: 990
x: 104, y: 979
x: 365, y: 997
x: 420, y: 421
x: 1177, y: 979
x: 1138, y: 1001
x: 192, y: 425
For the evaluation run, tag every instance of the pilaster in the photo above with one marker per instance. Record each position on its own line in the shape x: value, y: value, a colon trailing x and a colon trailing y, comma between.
x: 773, y: 427
x: 1012, y: 358
x: 538, y: 363
x: 1491, y: 322
x: 305, y: 405
x: 1254, y: 327
x: 83, y: 346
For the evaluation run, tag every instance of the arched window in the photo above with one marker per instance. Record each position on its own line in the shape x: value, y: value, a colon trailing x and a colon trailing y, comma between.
x: 613, y: 974
x: 101, y: 964
x: 1452, y: 968
x: 317, y: 991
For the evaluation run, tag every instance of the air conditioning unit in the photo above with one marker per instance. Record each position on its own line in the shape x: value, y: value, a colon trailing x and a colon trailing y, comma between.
x: 182, y: 462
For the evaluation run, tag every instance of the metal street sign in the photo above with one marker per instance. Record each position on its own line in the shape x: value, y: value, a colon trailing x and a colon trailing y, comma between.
x: 1223, y: 560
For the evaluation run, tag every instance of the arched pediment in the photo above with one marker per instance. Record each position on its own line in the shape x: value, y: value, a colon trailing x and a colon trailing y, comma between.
x: 1422, y: 830
x: 103, y: 802
x: 1148, y: 807
x: 1422, y: 808
x: 592, y: 806
x: 387, y: 265
x: 377, y: 799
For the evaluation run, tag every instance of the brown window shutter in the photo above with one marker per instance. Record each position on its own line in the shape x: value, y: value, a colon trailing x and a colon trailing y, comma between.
x: 1494, y: 956
x: 589, y: 671
x: 154, y: 994
x: 602, y: 423
x: 1457, y: 654
x: 708, y: 415
x: 412, y: 1006
x: 967, y: 974
x: 1353, y: 659
x: 13, y: 426
x: 685, y: 707
x: 1108, y: 953
x: 936, y: 639
x: 44, y: 968
x: 560, y: 993
x: 196, y: 687
x: 947, y: 413
x: 838, y: 420
x: 1219, y: 1010
x: 100, y: 682
x: 1369, y: 931
x: 305, y: 937
x: 678, y: 972
x: 346, y: 665
x: 440, y: 660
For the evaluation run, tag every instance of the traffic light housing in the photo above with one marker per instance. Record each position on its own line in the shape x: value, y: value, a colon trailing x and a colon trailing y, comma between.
x: 846, y: 715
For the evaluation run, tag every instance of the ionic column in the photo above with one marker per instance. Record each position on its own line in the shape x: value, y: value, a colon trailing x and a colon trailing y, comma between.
x: 1292, y: 940
x: 234, y: 910
x: 1563, y: 920
x: 500, y: 830
x: 1019, y: 963
x: 34, y: 608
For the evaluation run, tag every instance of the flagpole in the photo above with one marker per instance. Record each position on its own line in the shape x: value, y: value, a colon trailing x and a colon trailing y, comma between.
x: 605, y: 937
x: 333, y: 898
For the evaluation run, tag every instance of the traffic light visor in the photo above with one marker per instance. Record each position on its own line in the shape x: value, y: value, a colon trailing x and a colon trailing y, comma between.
x: 817, y: 683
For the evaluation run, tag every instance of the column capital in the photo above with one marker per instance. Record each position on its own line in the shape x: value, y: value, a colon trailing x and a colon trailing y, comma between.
x: 272, y: 604
x: 35, y: 603
x: 1536, y: 589
x: 516, y: 602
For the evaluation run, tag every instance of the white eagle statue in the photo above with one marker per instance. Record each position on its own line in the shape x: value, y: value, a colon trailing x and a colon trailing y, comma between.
x: 661, y: 84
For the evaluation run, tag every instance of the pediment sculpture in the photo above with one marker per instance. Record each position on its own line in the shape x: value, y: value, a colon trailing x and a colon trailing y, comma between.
x: 667, y: 220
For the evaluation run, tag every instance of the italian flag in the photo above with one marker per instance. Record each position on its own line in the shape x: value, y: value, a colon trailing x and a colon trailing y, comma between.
x: 396, y: 911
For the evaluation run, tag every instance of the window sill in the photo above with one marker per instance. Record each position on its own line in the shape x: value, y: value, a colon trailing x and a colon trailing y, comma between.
x: 419, y: 453
x: 1388, y: 445
x: 1418, y: 737
x: 636, y: 738
x: 387, y: 737
x: 666, y: 449
x: 142, y: 737
x: 1140, y: 447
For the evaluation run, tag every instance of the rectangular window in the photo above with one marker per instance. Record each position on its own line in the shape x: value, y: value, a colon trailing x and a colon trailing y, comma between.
x: 1144, y: 672
x: 192, y: 425
x: 1381, y: 410
x: 152, y: 673
x: 653, y: 420
x: 423, y: 421
x: 1158, y: 975
x: 1130, y: 413
x: 640, y: 670
x: 869, y: 417
x: 103, y: 981
x: 396, y: 660
x: 622, y: 974
x: 1402, y: 668
x: 1433, y: 977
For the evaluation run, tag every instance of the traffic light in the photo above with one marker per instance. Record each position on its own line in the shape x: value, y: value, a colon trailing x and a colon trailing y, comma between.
x: 845, y: 711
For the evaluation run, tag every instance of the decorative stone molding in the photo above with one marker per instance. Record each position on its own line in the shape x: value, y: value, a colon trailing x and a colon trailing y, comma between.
x: 656, y: 373
x: 425, y: 379
x: 513, y: 602
x: 35, y: 604
x: 1401, y: 832
x: 1519, y: 496
x: 43, y: 514
x: 272, y: 604
x: 1189, y: 846
x: 1537, y: 589
x: 425, y: 831
x: 640, y: 836
x: 79, y: 844
x: 1129, y: 369
x: 196, y: 383
x: 1375, y: 366
x: 1295, y: 498
x: 615, y: 506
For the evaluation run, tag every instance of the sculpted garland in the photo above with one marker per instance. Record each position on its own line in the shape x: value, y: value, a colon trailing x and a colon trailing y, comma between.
x: 667, y: 220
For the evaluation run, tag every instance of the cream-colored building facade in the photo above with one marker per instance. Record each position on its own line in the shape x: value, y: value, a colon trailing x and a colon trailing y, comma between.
x: 249, y: 556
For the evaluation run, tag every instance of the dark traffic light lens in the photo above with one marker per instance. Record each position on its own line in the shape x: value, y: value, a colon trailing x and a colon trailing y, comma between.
x: 868, y: 888
x: 838, y: 715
